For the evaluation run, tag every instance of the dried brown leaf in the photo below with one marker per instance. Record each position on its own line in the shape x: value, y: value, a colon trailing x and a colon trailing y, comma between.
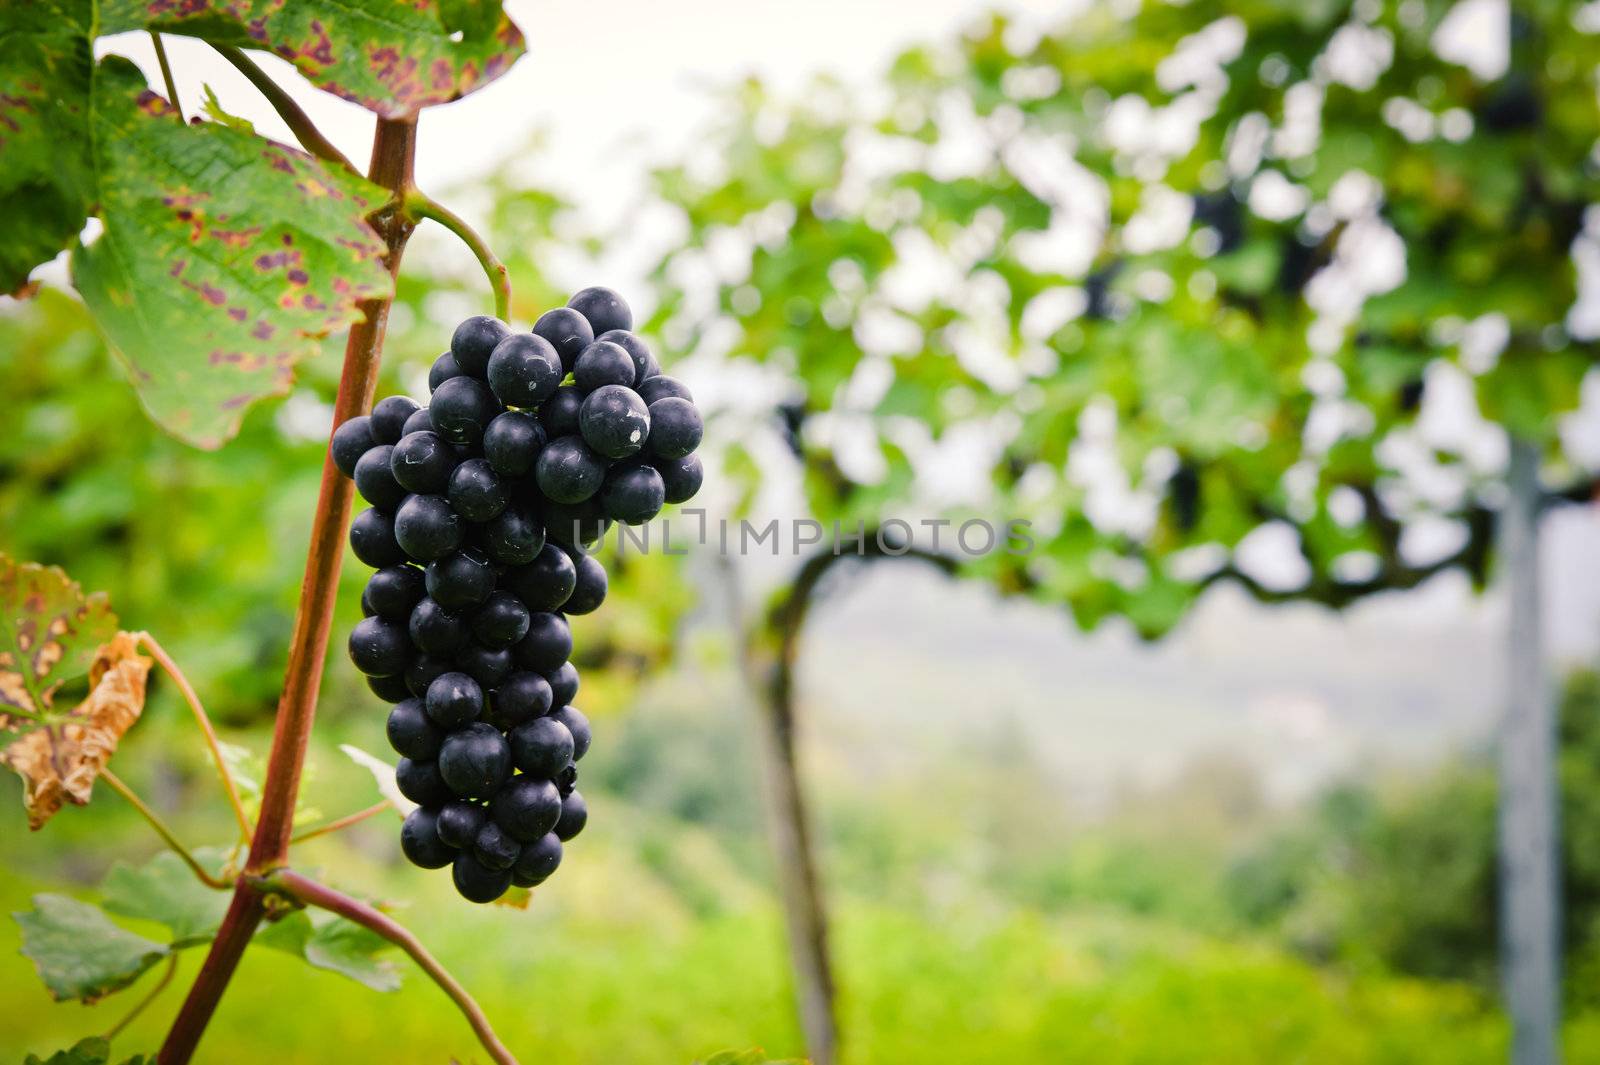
x: 60, y: 763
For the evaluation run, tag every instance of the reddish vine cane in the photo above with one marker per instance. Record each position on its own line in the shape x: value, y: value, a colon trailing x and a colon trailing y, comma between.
x: 393, y: 156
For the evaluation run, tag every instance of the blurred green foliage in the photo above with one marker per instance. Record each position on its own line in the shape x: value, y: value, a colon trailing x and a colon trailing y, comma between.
x: 1230, y: 248
x: 1405, y: 876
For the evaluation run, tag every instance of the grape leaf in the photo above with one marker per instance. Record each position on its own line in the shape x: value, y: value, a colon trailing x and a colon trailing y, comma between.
x: 383, y: 773
x: 165, y: 890
x: 60, y: 762
x: 224, y: 257
x: 390, y: 58
x: 79, y: 952
x: 753, y: 1056
x: 333, y: 943
x: 95, y: 1050
x: 45, y: 64
x: 49, y: 633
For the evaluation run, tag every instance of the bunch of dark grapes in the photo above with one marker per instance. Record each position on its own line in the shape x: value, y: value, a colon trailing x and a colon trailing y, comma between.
x: 483, y: 506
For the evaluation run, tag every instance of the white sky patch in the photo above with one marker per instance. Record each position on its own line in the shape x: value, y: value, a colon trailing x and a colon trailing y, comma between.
x: 1270, y: 555
x: 1162, y: 220
x: 1475, y: 34
x: 1276, y: 198
x: 1357, y: 55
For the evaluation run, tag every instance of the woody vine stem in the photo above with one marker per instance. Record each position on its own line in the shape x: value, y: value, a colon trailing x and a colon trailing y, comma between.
x: 265, y: 872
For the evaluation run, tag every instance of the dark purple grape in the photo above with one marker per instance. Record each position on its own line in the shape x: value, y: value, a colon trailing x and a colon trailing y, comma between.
x: 443, y: 368
x: 645, y: 365
x: 559, y: 415
x: 475, y: 881
x: 512, y: 443
x: 675, y: 428
x: 568, y: 471
x: 662, y: 386
x: 578, y: 725
x: 519, y: 699
x: 461, y: 580
x: 421, y: 783
x: 604, y: 309
x: 424, y: 670
x: 389, y: 418
x: 547, y: 644
x: 681, y: 477
x: 389, y: 689
x: 435, y: 630
x: 501, y: 621
x: 567, y: 331
x: 514, y: 537
x: 524, y: 370
x: 537, y: 862
x: 574, y: 815
x: 393, y: 592
x: 461, y: 409
x: 546, y: 582
x: 603, y: 363
x: 454, y: 700
x: 633, y: 494
x: 526, y: 808
x: 563, y: 684
x: 541, y: 748
x: 474, y: 341
x: 379, y: 647
x: 421, y: 462
x: 373, y: 539
x: 412, y: 732
x: 475, y: 490
x: 420, y: 842
x: 419, y: 422
x: 575, y: 524
x: 495, y: 848
x: 352, y: 439
x: 487, y: 665
x: 614, y: 421
x: 460, y: 821
x: 375, y: 480
x: 427, y: 528
x: 475, y: 760
x: 590, y: 590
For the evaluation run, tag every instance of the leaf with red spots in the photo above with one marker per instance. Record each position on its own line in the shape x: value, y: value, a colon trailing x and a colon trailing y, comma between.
x: 49, y: 631
x: 45, y: 64
x: 224, y: 257
x: 392, y: 58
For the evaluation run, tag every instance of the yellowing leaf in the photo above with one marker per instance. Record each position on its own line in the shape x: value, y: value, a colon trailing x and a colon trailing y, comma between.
x: 48, y: 632
x: 517, y: 898
x: 60, y: 762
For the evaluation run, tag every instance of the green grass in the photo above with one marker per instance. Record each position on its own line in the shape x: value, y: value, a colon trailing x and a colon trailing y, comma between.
x: 608, y: 966
x: 659, y: 942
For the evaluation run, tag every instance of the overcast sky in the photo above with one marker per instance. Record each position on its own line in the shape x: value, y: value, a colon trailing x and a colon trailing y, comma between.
x: 599, y: 76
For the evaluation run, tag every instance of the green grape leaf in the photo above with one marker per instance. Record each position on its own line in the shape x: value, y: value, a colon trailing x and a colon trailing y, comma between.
x: 390, y: 58
x: 45, y: 64
x: 217, y: 113
x: 49, y: 634
x: 166, y: 891
x: 224, y: 257
x: 95, y: 1050
x: 79, y: 952
x: 335, y: 944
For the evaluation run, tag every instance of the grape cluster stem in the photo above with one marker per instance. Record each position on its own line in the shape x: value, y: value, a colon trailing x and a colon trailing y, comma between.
x: 302, y: 889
